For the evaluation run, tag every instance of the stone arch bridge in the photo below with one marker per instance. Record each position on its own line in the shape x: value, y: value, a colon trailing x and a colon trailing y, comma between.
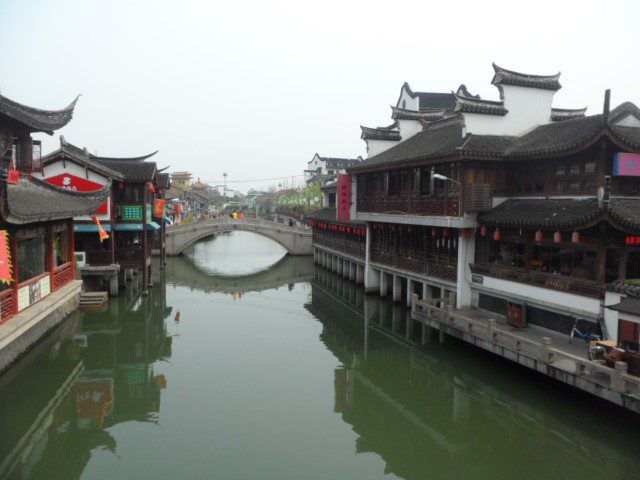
x: 296, y: 240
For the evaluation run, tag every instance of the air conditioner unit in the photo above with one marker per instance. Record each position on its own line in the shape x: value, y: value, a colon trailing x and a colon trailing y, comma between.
x: 81, y: 259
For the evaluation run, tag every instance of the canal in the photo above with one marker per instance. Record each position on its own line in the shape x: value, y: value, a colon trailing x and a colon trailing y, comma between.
x: 245, y: 363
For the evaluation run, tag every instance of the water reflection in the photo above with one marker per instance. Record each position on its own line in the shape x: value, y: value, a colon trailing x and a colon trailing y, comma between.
x: 97, y: 370
x: 447, y: 411
x: 235, y: 254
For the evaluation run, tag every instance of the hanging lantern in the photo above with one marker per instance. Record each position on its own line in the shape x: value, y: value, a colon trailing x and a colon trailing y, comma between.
x: 121, y: 185
x: 575, y: 237
x: 496, y: 235
x: 435, y: 232
x: 557, y: 237
x: 483, y: 231
x: 446, y: 233
x: 538, y: 237
x: 468, y: 233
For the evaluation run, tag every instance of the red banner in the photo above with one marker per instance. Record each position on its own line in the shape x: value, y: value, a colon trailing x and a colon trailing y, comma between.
x: 5, y: 258
x: 158, y: 208
x: 344, y: 197
x: 78, y: 184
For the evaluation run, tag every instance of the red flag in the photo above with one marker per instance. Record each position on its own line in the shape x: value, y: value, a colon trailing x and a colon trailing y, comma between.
x: 103, y: 235
x: 5, y: 258
x: 14, y: 176
x: 158, y: 208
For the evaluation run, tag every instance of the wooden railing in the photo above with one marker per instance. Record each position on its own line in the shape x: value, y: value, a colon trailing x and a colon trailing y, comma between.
x: 488, y: 335
x: 61, y: 276
x: 99, y: 257
x: 546, y: 280
x: 415, y: 261
x: 344, y: 244
x: 448, y: 205
x: 7, y: 304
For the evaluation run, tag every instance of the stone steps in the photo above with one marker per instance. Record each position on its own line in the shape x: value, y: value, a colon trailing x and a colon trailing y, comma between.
x: 93, y: 299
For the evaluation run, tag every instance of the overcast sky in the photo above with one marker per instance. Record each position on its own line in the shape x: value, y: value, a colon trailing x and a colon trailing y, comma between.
x: 254, y: 89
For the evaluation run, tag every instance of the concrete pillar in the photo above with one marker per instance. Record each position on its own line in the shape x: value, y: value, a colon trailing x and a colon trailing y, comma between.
x: 346, y: 268
x: 427, y: 291
x: 352, y: 271
x: 397, y: 288
x: 371, y: 278
x: 383, y: 284
x: 121, y: 278
x: 334, y: 263
x: 409, y: 291
x: 466, y: 255
x: 339, y: 265
x: 113, y: 285
x: 359, y: 274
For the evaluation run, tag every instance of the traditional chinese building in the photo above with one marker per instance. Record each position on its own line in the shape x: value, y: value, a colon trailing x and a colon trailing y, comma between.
x: 133, y: 186
x: 509, y: 205
x: 36, y: 223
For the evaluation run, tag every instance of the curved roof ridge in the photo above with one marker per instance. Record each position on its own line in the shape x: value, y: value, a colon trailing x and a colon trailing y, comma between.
x: 46, y: 121
x: 503, y: 76
x: 124, y: 159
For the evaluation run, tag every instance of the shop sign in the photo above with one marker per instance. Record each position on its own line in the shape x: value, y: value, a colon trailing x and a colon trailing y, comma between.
x: 626, y: 164
x: 479, y: 279
x: 147, y: 209
x: 158, y: 208
x: 132, y: 212
x: 344, y: 197
x: 78, y: 184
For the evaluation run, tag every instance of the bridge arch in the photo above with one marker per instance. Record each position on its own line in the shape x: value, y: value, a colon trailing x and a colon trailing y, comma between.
x: 295, y: 240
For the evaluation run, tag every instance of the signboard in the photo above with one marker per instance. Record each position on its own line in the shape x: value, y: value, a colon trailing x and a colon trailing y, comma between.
x: 147, y: 209
x: 132, y: 212
x: 78, y: 184
x: 23, y: 298
x: 479, y: 279
x: 36, y: 291
x: 158, y: 208
x: 344, y: 197
x: 626, y: 164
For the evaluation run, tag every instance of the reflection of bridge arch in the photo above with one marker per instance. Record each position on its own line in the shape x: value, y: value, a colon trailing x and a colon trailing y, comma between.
x: 296, y: 240
x: 287, y: 271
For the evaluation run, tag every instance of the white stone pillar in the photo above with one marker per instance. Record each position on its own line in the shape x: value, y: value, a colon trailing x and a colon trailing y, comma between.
x: 409, y: 291
x: 397, y: 288
x: 359, y: 274
x: 383, y: 284
x: 466, y: 255
x: 352, y: 271
x: 372, y: 280
x: 339, y: 265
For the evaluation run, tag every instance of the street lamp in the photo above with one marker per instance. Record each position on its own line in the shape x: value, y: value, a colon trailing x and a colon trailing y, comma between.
x: 437, y: 176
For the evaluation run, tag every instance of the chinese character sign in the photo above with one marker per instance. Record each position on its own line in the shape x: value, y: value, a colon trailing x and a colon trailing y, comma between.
x: 158, y: 208
x: 626, y: 164
x: 5, y: 258
x: 344, y: 197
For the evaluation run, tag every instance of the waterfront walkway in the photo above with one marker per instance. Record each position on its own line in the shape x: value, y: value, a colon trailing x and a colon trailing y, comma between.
x: 546, y: 352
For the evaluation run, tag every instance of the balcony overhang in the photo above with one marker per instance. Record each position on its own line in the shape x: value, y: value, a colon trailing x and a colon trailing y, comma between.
x: 466, y: 221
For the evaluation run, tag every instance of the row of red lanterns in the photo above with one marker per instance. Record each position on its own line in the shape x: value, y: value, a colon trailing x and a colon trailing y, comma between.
x: 557, y: 236
x: 338, y: 228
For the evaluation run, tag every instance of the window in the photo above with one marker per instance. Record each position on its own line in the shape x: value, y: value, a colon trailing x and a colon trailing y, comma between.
x: 61, y: 248
x: 503, y: 253
x: 426, y: 181
x: 415, y: 189
x: 31, y: 258
x: 567, y: 261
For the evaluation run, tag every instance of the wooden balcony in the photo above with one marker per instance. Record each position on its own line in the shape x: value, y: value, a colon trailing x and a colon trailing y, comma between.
x: 540, y: 279
x: 448, y: 205
x: 415, y: 261
x: 343, y: 244
x: 61, y: 275
x: 477, y: 197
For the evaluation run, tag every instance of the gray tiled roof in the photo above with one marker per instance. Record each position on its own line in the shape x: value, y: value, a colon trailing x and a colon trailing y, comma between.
x: 630, y: 305
x: 369, y: 133
x: 79, y: 155
x: 36, y: 119
x: 509, y: 77
x: 33, y: 200
x: 141, y: 171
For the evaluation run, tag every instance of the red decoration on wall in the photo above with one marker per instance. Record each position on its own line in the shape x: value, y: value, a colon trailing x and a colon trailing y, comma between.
x: 344, y: 197
x: 557, y: 237
x: 496, y: 235
x: 158, y: 208
x: 151, y: 187
x: 446, y: 233
x: 78, y: 184
x: 632, y: 240
x: 435, y: 232
x: 14, y: 176
x: 483, y: 231
x: 538, y: 237
x: 575, y: 237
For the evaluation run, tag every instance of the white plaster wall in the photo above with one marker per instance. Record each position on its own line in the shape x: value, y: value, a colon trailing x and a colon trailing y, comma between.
x: 409, y: 103
x: 629, y: 121
x: 466, y: 255
x: 540, y: 297
x: 611, y: 316
x: 316, y: 163
x: 528, y: 107
x: 408, y: 128
x: 375, y: 147
x: 58, y: 168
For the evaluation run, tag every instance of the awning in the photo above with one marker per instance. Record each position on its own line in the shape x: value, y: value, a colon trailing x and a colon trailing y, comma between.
x: 89, y: 227
x: 165, y: 220
x: 135, y: 227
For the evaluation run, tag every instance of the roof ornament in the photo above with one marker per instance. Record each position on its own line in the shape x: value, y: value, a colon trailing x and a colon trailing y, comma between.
x: 606, y: 106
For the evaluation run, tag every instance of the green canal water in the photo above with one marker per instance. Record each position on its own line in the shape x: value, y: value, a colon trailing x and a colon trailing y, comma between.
x: 242, y: 364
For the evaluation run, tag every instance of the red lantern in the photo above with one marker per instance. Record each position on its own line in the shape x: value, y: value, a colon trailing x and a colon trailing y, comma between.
x: 467, y: 233
x: 496, y: 235
x: 483, y: 231
x: 575, y: 237
x: 121, y: 185
x: 435, y: 232
x: 446, y: 233
x: 557, y: 237
x: 538, y: 237
x: 151, y: 187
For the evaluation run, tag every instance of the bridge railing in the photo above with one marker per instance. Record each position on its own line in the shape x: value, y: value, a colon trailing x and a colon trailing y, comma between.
x: 198, y: 225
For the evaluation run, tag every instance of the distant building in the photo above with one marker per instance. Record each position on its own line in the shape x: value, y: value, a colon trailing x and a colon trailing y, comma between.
x: 181, y: 179
x: 326, y: 168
